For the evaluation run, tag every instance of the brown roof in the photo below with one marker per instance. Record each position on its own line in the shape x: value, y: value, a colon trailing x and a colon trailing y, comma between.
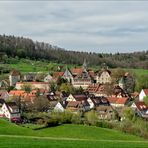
x: 103, y: 108
x: 100, y: 100
x: 12, y: 105
x: 91, y: 73
x: 145, y: 91
x: 80, y: 97
x: 141, y: 106
x: 135, y: 94
x: 73, y: 104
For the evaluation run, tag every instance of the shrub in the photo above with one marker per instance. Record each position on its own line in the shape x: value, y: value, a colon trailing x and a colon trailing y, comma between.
x: 76, y: 119
x: 91, y: 117
x: 52, y: 122
x: 66, y: 117
x: 105, y: 124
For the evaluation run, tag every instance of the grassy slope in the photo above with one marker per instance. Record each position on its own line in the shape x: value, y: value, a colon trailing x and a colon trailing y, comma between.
x: 139, y: 72
x: 80, y: 136
x: 26, y: 65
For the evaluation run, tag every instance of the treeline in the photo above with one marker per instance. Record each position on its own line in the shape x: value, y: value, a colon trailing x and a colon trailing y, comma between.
x: 26, y: 48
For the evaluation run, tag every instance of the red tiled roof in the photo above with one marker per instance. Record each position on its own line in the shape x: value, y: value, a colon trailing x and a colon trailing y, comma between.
x: 116, y: 100
x: 141, y: 106
x: 22, y: 93
x: 112, y: 99
x: 76, y: 71
x: 16, y: 92
x: 121, y: 100
x: 93, y: 88
x: 32, y: 83
x: 58, y: 74
x: 145, y: 91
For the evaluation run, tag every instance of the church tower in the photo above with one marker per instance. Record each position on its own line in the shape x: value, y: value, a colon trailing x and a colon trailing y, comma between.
x: 84, y: 66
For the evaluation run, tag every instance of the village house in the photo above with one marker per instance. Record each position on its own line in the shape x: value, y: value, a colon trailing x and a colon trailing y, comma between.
x: 77, y: 97
x: 104, y: 112
x: 118, y: 102
x: 60, y: 106
x: 78, y: 77
x: 23, y: 96
x: 91, y: 103
x: 78, y: 106
x: 1, y: 104
x: 141, y: 109
x: 68, y: 75
x: 48, y: 78
x: 97, y: 89
x: 81, y: 77
x: 95, y: 101
x: 80, y: 99
x: 10, y: 110
x: 104, y: 76
x: 143, y: 93
x: 33, y: 85
x: 14, y: 77
x: 119, y: 92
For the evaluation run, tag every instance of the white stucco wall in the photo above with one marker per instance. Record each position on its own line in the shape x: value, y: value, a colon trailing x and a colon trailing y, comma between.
x: 141, y: 95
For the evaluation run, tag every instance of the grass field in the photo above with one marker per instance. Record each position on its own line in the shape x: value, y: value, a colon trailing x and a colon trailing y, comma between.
x: 139, y: 72
x: 66, y: 136
x: 26, y: 65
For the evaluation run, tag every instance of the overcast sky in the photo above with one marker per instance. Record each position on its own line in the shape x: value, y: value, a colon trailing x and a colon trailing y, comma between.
x: 79, y: 25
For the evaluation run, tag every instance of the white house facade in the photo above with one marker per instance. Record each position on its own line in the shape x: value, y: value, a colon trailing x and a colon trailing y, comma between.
x: 143, y: 93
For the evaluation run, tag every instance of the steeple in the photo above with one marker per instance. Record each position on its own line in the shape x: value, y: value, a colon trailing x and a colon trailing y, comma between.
x: 66, y: 71
x: 84, y: 66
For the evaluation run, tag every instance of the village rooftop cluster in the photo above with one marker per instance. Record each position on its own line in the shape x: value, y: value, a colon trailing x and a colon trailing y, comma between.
x: 94, y: 93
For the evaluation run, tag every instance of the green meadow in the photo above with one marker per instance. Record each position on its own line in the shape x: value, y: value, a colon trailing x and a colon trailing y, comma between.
x: 66, y: 136
x: 26, y: 65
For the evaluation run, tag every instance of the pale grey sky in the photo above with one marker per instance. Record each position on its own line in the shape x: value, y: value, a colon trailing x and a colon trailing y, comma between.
x: 95, y: 26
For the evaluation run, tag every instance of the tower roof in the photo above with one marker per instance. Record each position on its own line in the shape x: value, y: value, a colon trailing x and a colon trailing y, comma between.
x: 84, y: 66
x: 14, y: 73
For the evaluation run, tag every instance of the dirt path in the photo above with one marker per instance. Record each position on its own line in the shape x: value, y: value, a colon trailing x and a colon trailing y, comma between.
x: 73, y: 139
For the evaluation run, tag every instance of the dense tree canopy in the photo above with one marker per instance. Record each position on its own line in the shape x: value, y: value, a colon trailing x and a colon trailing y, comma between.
x: 26, y: 48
